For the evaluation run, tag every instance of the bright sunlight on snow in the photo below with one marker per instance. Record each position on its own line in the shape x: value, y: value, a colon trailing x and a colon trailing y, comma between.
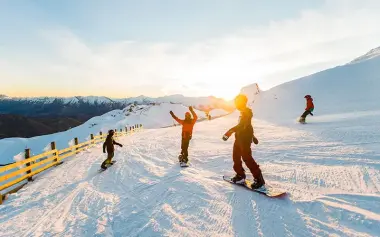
x: 330, y: 168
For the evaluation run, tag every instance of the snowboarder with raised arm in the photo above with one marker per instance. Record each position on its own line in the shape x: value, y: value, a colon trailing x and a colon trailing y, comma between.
x: 309, y: 108
x: 187, y: 132
x: 244, y: 136
x: 109, y: 146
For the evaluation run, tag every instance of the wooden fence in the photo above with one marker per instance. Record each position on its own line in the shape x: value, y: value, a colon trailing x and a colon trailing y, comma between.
x: 13, y: 176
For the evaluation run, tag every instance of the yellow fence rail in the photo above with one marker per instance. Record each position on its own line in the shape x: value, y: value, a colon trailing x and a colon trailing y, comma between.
x: 13, y: 174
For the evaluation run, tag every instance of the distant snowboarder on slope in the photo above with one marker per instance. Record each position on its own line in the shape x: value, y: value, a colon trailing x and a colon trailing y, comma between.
x: 109, y: 146
x: 309, y: 108
x: 187, y: 132
x: 244, y: 136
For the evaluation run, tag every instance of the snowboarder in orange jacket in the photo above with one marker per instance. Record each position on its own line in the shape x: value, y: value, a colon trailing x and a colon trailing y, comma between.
x: 309, y: 108
x: 187, y: 132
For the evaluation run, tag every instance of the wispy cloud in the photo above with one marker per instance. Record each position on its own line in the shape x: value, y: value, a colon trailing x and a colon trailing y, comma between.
x: 268, y: 54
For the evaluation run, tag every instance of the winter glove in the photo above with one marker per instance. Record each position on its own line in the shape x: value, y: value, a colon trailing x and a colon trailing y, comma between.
x: 311, y: 114
x: 254, y: 139
x: 120, y: 145
x: 191, y: 108
x: 171, y: 112
x: 226, y: 136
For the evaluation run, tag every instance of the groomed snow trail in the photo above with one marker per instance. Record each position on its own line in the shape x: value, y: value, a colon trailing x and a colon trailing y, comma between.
x: 334, y: 187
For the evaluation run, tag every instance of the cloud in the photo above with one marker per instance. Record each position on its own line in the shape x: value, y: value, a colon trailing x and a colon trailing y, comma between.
x: 268, y: 54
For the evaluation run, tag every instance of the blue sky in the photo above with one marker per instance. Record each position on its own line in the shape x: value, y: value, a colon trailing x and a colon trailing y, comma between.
x: 129, y: 48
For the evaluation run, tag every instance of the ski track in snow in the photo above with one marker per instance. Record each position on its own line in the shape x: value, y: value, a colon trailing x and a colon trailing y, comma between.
x: 333, y: 181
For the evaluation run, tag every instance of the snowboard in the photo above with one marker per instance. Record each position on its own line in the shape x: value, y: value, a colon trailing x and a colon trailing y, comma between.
x: 300, y: 121
x: 181, y: 163
x: 267, y: 191
x: 107, y: 165
x: 184, y: 164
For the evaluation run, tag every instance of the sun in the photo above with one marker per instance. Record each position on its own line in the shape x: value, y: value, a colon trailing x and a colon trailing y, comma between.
x: 227, y: 93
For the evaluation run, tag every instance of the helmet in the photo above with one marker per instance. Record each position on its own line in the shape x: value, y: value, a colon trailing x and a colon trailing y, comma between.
x: 307, y: 96
x: 111, y: 132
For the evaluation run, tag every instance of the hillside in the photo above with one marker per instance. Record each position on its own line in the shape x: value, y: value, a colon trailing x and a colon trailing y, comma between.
x: 151, y: 116
x: 84, y: 108
x: 46, y: 115
x: 345, y: 91
x: 333, y: 188
x: 21, y: 126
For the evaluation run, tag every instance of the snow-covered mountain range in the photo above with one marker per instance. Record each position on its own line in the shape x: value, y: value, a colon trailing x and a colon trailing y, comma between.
x: 210, y: 101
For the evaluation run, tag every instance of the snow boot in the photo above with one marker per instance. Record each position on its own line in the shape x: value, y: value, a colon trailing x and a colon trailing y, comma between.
x: 258, y: 181
x: 183, y: 159
x: 238, y: 179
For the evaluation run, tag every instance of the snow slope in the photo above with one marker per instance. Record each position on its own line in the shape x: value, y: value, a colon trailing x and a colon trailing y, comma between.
x: 373, y: 53
x: 346, y: 91
x: 151, y: 116
x: 334, y: 188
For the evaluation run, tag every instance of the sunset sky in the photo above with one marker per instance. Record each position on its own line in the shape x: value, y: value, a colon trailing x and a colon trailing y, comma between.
x: 195, y: 48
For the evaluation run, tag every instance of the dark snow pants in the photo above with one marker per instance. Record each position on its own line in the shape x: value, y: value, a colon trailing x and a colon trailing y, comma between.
x: 306, y: 113
x: 184, y: 148
x: 242, y: 152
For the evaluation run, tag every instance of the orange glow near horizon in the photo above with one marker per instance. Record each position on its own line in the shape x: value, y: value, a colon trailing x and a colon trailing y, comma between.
x: 226, y: 93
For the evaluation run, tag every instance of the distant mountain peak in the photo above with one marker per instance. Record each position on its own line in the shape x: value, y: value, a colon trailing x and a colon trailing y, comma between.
x: 373, y: 53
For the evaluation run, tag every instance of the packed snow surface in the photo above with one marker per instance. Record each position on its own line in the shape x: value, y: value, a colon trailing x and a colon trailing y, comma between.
x: 333, y: 186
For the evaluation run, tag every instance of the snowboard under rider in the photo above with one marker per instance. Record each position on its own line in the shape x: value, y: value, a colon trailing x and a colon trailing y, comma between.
x: 109, y: 146
x: 187, y: 132
x: 309, y: 108
x: 244, y: 136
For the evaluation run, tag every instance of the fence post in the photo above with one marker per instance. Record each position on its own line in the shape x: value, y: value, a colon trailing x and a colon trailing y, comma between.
x: 92, y: 138
x: 52, y: 147
x: 27, y: 156
x: 126, y: 129
x: 76, y: 143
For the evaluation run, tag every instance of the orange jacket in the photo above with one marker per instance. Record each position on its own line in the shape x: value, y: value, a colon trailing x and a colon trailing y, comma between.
x: 309, y: 104
x: 187, y: 125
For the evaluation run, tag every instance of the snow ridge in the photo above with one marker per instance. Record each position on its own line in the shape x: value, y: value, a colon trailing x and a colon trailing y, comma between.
x: 373, y: 53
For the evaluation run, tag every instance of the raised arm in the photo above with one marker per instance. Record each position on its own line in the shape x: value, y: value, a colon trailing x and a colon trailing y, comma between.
x: 175, y: 118
x: 195, y: 116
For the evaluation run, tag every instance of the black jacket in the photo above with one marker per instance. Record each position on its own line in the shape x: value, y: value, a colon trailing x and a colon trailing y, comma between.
x: 109, y: 144
x: 244, y: 130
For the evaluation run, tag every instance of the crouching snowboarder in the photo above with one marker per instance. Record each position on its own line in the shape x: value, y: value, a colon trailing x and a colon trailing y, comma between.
x: 244, y: 136
x: 109, y: 146
x: 308, y: 110
x: 187, y: 132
